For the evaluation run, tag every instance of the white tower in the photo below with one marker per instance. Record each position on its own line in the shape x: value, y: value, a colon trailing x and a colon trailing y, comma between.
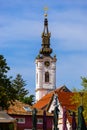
x: 45, y: 66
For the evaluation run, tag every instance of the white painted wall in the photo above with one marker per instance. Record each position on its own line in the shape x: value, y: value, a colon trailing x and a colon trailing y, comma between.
x: 51, y: 108
x: 42, y: 88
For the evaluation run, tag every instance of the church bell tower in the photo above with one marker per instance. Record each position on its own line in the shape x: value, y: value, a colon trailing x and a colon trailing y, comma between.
x: 45, y: 65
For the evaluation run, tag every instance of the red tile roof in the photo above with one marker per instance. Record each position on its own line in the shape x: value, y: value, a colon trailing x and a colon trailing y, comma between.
x: 18, y: 109
x: 44, y: 101
x: 65, y: 99
x: 64, y: 96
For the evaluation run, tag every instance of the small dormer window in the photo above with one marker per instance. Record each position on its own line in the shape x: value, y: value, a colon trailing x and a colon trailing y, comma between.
x: 27, y: 108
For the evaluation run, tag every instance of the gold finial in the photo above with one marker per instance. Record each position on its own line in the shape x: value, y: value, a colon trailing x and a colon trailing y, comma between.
x: 45, y: 9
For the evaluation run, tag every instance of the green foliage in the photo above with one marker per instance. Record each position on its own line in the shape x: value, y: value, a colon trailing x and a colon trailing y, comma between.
x: 3, y: 66
x: 29, y: 100
x: 84, y: 83
x: 74, y: 89
x: 11, y: 126
x: 7, y: 92
x: 11, y: 90
x: 80, y: 98
x: 19, y: 85
x: 84, y: 90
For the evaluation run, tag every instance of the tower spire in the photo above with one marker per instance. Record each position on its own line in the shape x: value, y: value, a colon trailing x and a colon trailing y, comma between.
x: 45, y: 21
x: 46, y: 50
x: 45, y: 64
x: 45, y: 10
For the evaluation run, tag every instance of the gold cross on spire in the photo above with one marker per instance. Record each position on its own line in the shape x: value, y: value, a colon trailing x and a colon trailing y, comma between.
x: 45, y: 9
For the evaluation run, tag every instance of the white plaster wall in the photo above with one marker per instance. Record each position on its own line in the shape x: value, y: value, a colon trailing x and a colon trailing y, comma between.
x: 60, y: 121
x: 40, y: 94
x: 40, y: 79
x: 53, y: 74
x: 39, y: 72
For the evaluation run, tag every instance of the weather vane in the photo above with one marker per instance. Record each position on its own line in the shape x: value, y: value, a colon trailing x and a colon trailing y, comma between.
x: 45, y: 9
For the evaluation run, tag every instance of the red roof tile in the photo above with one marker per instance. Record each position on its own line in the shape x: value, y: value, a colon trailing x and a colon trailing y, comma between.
x: 44, y: 101
x: 65, y: 99
x: 18, y: 109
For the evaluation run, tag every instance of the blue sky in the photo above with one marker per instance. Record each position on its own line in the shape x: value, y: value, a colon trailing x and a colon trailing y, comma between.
x: 21, y: 25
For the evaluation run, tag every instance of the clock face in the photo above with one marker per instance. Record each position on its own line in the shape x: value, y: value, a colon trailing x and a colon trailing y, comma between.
x: 47, y: 63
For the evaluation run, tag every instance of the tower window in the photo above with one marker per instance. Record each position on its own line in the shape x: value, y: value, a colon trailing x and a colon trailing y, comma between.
x: 37, y: 78
x: 46, y: 76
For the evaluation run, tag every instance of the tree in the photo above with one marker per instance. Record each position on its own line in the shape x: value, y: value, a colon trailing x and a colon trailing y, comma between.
x: 80, y: 98
x: 7, y: 92
x: 19, y: 85
x: 10, y: 90
x: 22, y: 94
x: 84, y: 98
x: 84, y: 83
x: 29, y: 100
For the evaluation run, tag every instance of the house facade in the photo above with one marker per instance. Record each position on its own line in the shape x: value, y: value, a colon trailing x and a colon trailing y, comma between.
x: 24, y: 122
x: 62, y: 96
x: 23, y: 115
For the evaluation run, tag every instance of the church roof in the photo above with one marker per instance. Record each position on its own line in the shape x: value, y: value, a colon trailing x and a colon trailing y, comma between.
x: 46, y: 50
x: 64, y: 94
x: 44, y: 101
x: 64, y: 98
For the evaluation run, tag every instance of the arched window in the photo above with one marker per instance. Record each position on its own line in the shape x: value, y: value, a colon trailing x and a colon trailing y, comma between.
x: 46, y: 76
x: 37, y: 77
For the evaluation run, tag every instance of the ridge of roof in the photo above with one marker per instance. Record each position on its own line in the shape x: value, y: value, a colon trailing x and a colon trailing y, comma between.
x: 62, y: 88
x: 44, y: 102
